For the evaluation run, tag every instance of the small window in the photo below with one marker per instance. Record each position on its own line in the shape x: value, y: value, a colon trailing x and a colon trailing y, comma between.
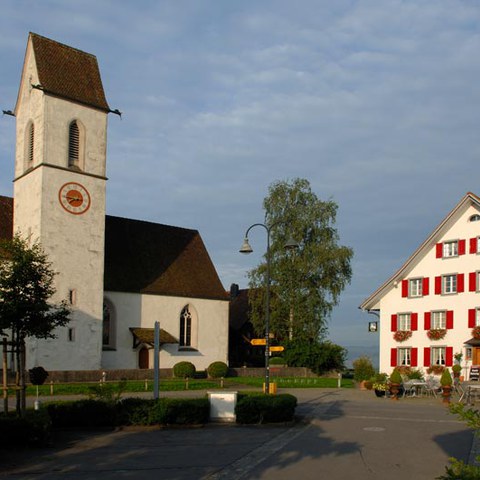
x: 185, y: 328
x: 438, y: 355
x: 404, y: 356
x: 109, y: 326
x: 72, y: 297
x: 475, y: 217
x: 416, y: 287
x: 450, y: 249
x: 468, y: 353
x: 73, y: 145
x: 404, y: 322
x: 477, y: 317
x: 71, y: 334
x: 439, y: 320
x: 449, y: 284
x: 30, y: 145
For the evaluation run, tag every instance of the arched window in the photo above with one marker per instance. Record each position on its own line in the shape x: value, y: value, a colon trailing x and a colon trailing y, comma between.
x: 188, y: 328
x: 75, y: 145
x: 109, y: 324
x: 475, y: 217
x: 30, y: 139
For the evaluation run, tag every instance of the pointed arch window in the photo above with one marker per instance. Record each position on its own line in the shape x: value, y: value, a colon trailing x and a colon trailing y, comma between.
x: 188, y: 328
x: 109, y: 325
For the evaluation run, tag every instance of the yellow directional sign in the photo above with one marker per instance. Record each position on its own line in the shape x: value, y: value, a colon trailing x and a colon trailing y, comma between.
x: 258, y: 341
x: 277, y: 349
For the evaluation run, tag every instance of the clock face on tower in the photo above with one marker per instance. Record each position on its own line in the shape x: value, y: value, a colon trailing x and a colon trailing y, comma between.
x: 74, y: 198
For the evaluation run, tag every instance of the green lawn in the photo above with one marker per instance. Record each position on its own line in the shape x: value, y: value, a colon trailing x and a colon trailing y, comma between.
x: 175, y: 384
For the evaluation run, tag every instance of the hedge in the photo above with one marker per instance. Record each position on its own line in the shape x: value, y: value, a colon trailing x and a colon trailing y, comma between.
x: 265, y: 408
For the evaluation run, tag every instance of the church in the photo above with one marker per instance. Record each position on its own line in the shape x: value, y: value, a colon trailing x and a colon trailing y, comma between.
x: 119, y: 275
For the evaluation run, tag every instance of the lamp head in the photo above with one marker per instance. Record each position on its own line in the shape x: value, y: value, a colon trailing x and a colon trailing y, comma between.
x: 291, y: 244
x: 246, y: 248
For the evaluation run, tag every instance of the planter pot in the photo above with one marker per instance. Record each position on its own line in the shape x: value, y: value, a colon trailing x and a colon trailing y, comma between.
x: 380, y: 393
x: 446, y: 394
x: 394, y: 389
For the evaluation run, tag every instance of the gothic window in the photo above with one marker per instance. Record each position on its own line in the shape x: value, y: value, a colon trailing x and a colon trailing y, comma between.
x: 108, y: 332
x: 75, y: 145
x: 188, y: 328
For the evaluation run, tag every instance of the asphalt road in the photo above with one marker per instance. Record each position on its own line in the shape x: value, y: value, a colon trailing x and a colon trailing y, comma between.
x: 343, y: 433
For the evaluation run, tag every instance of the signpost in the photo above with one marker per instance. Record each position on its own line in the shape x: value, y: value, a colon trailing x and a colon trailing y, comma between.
x: 258, y: 341
x: 277, y: 348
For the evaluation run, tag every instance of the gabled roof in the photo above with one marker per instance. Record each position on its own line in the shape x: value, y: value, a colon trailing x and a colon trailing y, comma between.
x: 6, y: 218
x: 469, y: 199
x: 67, y: 72
x: 151, y: 258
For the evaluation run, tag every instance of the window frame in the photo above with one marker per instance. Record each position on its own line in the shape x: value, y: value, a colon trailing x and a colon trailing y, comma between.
x: 453, y: 288
x: 450, y: 249
x: 438, y: 320
x: 404, y: 356
x: 404, y: 318
x: 188, y: 329
x: 415, y: 287
x: 112, y: 329
x: 438, y: 355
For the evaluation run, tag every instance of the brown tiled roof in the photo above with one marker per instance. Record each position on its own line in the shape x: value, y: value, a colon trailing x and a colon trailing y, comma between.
x: 144, y: 257
x: 147, y: 335
x: 6, y: 217
x: 68, y: 73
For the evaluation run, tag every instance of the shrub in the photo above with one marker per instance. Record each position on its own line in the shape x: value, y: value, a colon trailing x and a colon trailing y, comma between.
x: 134, y: 411
x: 395, y: 377
x: 277, y: 361
x: 176, y: 411
x: 217, y: 370
x: 363, y: 369
x: 184, y: 370
x: 265, y: 408
x: 446, y: 378
x: 82, y: 413
x: 33, y: 429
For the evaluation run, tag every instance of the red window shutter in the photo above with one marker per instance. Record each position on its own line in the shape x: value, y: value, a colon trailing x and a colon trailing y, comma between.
x: 472, y: 281
x: 438, y: 285
x: 473, y: 245
x: 404, y: 288
x: 393, y: 357
x: 471, y: 317
x: 414, y: 321
x: 414, y: 357
x: 425, y: 286
x: 449, y: 356
x: 426, y: 356
x: 394, y: 323
x: 449, y: 319
x: 427, y: 320
x: 460, y: 282
x: 461, y: 247
x: 439, y: 250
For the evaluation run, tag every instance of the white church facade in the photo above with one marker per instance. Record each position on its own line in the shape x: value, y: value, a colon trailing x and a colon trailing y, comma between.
x: 429, y: 309
x: 119, y: 275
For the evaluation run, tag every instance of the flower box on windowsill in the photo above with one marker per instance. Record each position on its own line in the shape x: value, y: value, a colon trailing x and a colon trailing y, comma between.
x: 402, y: 335
x: 436, y: 333
x: 476, y: 332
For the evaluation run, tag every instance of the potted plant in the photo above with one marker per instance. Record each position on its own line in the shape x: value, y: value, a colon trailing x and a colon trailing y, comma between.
x: 436, y: 333
x: 446, y: 383
x: 395, y: 383
x: 402, y: 335
x: 456, y: 369
x: 476, y: 332
x: 380, y: 385
x: 458, y: 357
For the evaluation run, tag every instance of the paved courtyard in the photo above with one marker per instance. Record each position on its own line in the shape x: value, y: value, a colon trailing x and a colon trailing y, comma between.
x: 344, y: 434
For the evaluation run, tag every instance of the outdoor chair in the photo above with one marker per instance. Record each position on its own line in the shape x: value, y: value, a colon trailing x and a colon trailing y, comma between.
x: 432, y: 386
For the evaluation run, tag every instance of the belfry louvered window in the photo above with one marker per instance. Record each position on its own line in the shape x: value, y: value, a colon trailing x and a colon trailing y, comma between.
x: 73, y: 145
x: 30, y: 145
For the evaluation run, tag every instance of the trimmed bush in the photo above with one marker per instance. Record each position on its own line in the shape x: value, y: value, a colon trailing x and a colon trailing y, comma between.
x: 135, y: 411
x: 177, y: 411
x: 184, y: 370
x: 363, y: 369
x: 82, y: 413
x: 217, y: 370
x: 265, y: 408
x: 32, y: 430
x: 277, y: 361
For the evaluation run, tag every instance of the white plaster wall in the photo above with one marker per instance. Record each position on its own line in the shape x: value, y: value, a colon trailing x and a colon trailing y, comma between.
x: 430, y: 266
x: 136, y: 310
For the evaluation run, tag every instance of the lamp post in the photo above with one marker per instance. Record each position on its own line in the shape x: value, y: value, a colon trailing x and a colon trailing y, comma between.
x: 246, y: 249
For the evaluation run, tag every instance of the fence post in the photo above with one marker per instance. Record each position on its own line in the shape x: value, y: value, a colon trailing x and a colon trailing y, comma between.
x: 339, y: 382
x: 51, y: 387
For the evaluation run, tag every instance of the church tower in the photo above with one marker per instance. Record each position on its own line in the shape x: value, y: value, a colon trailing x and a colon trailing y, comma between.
x: 59, y: 191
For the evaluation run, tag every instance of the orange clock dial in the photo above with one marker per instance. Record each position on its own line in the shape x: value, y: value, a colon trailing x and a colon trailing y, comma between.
x: 74, y: 198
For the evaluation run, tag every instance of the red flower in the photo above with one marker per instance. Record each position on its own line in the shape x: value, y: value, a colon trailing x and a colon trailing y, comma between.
x: 436, y: 333
x: 402, y: 335
x: 476, y: 332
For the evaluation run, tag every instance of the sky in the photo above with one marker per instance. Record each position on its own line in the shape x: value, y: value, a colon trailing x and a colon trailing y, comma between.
x: 376, y: 103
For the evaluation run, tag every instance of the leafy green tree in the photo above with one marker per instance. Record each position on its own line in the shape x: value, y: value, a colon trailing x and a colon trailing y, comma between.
x: 305, y: 283
x: 320, y: 357
x: 26, y: 285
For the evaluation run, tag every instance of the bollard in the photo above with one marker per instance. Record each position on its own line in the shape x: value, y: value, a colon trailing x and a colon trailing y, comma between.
x: 51, y: 387
x: 146, y: 384
x: 339, y: 383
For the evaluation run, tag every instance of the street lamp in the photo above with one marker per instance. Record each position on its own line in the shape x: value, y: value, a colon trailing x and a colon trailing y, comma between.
x: 246, y: 249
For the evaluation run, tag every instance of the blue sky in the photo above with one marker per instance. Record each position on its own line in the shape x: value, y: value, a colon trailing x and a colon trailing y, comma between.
x: 376, y: 103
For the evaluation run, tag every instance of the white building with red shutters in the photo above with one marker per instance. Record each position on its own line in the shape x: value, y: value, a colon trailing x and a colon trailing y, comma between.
x: 429, y: 308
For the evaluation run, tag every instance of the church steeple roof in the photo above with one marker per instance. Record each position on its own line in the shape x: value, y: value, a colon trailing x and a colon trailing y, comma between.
x: 68, y: 73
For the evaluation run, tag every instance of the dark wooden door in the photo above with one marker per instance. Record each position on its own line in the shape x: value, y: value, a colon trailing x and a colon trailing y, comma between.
x: 143, y: 358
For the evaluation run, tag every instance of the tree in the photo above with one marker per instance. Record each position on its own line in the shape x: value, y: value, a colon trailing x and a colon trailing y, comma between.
x: 26, y: 285
x: 305, y: 284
